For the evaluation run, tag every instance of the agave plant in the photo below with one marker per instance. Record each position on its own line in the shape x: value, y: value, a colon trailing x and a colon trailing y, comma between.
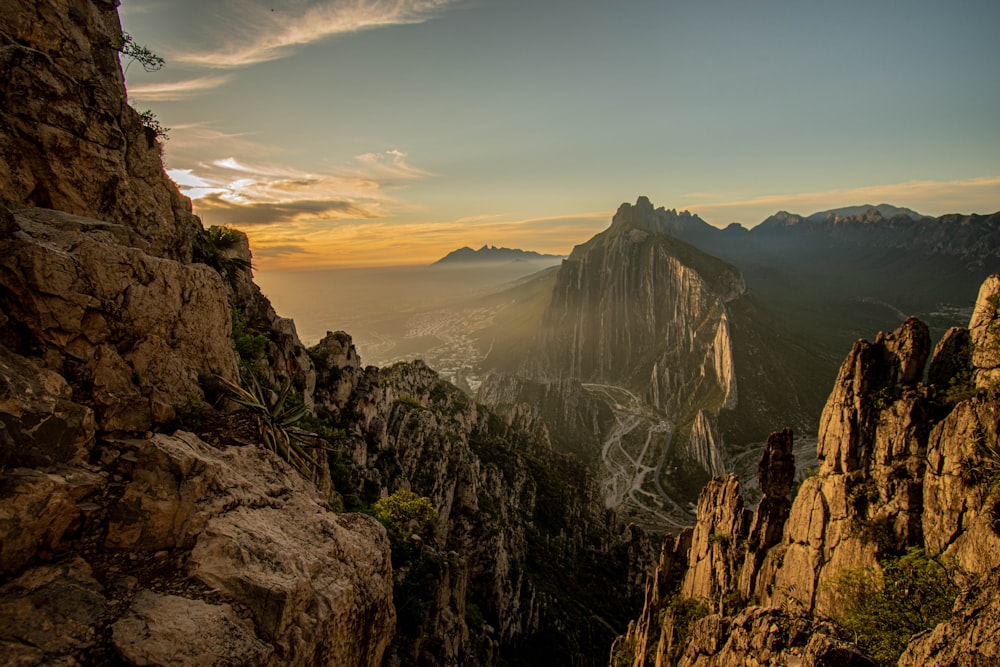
x: 276, y: 418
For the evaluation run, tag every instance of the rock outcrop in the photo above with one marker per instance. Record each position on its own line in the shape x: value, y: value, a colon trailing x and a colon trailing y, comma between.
x: 903, y: 465
x: 69, y: 139
x: 130, y: 330
x: 187, y: 550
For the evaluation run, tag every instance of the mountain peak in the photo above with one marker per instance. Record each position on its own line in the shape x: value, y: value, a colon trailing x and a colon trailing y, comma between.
x: 867, y: 212
x: 491, y: 254
x: 781, y: 219
x: 642, y: 215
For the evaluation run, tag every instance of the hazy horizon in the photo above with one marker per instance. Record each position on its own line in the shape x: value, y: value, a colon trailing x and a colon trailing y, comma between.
x: 384, y: 133
x: 375, y: 305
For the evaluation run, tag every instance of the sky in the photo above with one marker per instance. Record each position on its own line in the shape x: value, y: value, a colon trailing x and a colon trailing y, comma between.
x: 355, y: 133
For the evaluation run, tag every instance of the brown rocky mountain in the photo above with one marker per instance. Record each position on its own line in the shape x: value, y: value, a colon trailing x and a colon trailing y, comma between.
x: 904, y: 464
x: 143, y: 518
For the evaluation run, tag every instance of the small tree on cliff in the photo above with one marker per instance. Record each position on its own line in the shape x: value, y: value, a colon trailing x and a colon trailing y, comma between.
x: 137, y: 53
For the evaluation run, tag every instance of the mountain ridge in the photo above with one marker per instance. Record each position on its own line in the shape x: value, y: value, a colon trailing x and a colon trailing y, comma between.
x: 492, y: 254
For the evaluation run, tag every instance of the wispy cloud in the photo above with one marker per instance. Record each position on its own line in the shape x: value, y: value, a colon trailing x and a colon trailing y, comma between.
x: 261, y: 32
x: 390, y: 163
x: 980, y: 195
x: 176, y: 90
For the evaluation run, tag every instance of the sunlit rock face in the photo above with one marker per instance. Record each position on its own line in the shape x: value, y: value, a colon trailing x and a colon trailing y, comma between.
x: 904, y: 463
x: 639, y: 309
x: 80, y: 148
x: 638, y: 321
x: 130, y: 329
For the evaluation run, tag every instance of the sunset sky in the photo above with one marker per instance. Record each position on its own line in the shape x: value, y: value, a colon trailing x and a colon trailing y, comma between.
x: 379, y: 132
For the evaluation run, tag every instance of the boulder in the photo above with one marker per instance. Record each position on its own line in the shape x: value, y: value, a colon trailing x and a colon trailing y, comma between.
x: 316, y: 583
x: 169, y: 630
x: 133, y: 332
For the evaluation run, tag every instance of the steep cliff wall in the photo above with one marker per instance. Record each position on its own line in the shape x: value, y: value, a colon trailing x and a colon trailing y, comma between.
x: 68, y: 138
x: 638, y: 309
x: 121, y: 543
x: 903, y: 464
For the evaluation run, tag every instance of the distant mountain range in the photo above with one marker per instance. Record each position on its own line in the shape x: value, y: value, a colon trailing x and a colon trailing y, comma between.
x: 492, y: 255
x: 864, y: 212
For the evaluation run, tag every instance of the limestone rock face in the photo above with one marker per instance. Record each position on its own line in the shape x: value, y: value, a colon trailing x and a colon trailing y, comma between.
x: 264, y: 574
x: 984, y: 329
x: 757, y: 636
x: 641, y: 320
x: 39, y: 422
x: 339, y: 369
x: 131, y: 330
x: 903, y: 464
x: 958, y: 517
x: 632, y: 276
x: 871, y: 378
x: 873, y: 432
x: 79, y: 146
x: 171, y: 630
x: 775, y: 475
x: 722, y: 525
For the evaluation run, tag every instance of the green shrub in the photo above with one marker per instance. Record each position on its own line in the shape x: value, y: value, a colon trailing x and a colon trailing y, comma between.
x: 213, y: 246
x: 684, y: 612
x: 410, y: 402
x: 885, y: 609
x: 719, y: 538
x: 153, y: 124
x: 623, y: 655
x: 249, y: 341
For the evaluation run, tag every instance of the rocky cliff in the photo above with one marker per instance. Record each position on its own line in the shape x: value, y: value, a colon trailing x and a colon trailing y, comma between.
x: 69, y: 139
x: 907, y: 475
